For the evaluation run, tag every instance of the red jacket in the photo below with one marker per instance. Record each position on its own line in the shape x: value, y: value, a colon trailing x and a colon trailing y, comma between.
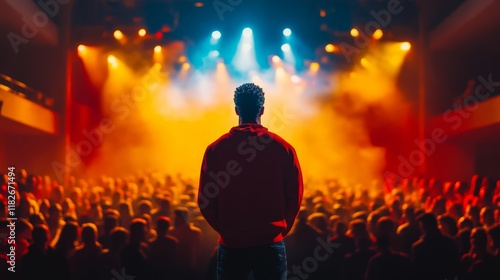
x: 250, y: 187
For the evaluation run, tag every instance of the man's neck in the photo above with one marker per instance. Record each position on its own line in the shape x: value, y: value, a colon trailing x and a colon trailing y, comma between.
x: 255, y: 121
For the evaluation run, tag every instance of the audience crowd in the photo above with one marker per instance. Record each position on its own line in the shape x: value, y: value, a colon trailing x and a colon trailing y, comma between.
x: 149, y: 227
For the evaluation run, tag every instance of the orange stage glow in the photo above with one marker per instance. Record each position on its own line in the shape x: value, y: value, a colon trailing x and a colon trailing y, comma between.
x: 163, y: 122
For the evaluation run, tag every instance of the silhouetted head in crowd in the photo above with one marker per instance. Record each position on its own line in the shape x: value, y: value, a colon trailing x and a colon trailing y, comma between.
x: 478, y: 240
x: 144, y: 207
x: 340, y: 228
x: 494, y: 233
x: 428, y: 224
x: 487, y: 216
x: 358, y: 229
x: 37, y: 219
x: 40, y: 236
x: 465, y: 223
x: 361, y: 215
x: 55, y: 212
x: 473, y: 212
x: 319, y: 221
x: 384, y: 243
x: 447, y: 225
x: 89, y: 234
x: 386, y: 227
x: 137, y: 231
x: 110, y: 221
x: 164, y: 204
x: 409, y: 213
x: 162, y: 225
x: 67, y: 237
x: 181, y: 217
x: 119, y: 238
x: 456, y: 210
x: 249, y: 103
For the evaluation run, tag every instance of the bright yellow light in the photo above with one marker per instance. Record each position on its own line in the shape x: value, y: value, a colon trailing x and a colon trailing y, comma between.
x: 314, y: 67
x: 81, y: 48
x: 142, y: 32
x: 186, y: 66
x: 378, y: 34
x: 113, y: 61
x: 158, y: 49
x: 276, y: 59
x: 354, y: 32
x: 118, y: 35
x: 330, y: 48
x: 365, y: 63
x: 405, y: 46
x: 182, y: 59
x: 322, y: 13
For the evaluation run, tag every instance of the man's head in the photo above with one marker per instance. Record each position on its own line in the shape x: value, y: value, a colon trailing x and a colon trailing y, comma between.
x: 428, y: 223
x: 249, y: 102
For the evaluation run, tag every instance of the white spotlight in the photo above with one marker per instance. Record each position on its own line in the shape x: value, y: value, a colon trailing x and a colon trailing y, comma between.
x: 286, y: 48
x: 287, y: 32
x: 216, y: 35
x: 214, y: 53
x: 247, y: 47
x: 247, y: 32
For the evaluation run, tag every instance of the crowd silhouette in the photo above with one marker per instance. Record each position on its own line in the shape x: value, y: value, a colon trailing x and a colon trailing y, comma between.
x: 150, y: 227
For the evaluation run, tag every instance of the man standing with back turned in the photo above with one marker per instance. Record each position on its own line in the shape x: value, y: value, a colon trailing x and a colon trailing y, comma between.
x: 250, y: 193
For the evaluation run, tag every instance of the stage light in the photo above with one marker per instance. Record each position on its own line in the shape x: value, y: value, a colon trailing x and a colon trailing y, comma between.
x: 314, y: 67
x: 245, y: 59
x: 158, y: 49
x: 81, y: 48
x: 247, y: 32
x: 142, y: 32
x: 182, y: 59
x: 330, y: 48
x: 365, y: 63
x: 118, y: 35
x: 287, y: 32
x: 354, y: 32
x: 378, y: 34
x: 286, y: 47
x: 214, y: 53
x: 405, y: 46
x: 322, y: 13
x: 113, y: 61
x: 186, y: 66
x: 295, y: 79
x: 276, y: 59
x: 216, y: 35
x: 247, y: 47
x: 199, y: 4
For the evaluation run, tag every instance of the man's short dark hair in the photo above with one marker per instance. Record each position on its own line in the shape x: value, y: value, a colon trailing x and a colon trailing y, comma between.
x: 249, y: 100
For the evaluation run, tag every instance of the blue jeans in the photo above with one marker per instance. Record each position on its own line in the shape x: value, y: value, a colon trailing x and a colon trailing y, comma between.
x: 266, y: 262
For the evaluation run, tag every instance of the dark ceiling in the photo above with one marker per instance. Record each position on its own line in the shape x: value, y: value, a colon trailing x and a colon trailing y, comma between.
x: 187, y: 21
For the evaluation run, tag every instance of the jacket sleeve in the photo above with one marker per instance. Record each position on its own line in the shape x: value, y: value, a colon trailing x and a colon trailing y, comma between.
x: 208, y: 204
x: 294, y: 188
